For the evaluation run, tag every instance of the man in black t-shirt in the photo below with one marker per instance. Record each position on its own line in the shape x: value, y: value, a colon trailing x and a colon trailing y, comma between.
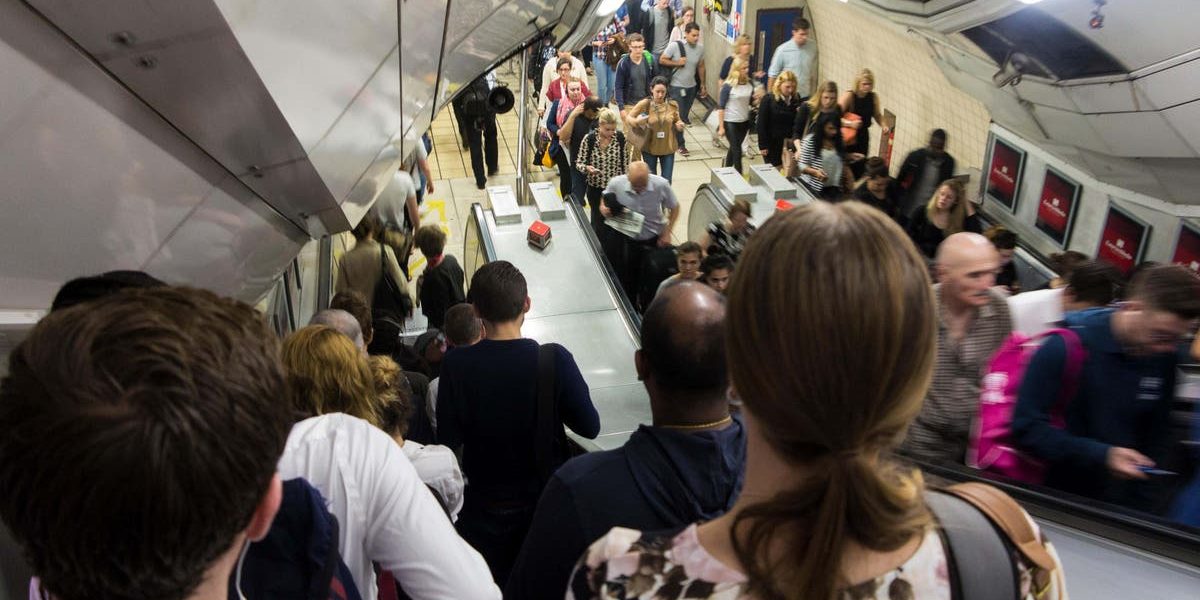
x: 441, y: 286
x: 581, y: 120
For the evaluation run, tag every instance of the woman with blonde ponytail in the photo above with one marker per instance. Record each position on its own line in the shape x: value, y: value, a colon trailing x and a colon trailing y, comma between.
x: 829, y: 378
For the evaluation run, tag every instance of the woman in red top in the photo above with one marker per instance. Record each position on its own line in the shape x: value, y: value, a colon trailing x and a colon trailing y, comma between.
x: 558, y: 87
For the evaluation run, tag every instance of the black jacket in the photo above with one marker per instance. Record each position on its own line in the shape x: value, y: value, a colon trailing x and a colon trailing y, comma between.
x: 660, y: 479
x: 911, y: 169
x: 775, y: 119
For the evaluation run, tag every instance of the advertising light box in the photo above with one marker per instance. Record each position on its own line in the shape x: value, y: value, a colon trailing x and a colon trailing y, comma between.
x: 1187, y: 248
x: 1056, y: 207
x: 1004, y: 174
x: 1123, y: 239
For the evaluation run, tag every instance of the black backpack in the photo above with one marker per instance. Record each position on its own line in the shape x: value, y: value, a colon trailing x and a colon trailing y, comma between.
x: 668, y: 72
x: 475, y: 99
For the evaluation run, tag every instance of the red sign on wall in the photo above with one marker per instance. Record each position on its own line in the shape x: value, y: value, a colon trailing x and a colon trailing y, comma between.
x: 1004, y: 174
x: 1187, y: 248
x: 1056, y: 207
x: 1122, y: 240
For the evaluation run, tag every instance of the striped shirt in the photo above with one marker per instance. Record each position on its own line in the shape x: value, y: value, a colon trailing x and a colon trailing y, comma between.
x: 941, y: 430
x: 810, y: 157
x: 613, y: 28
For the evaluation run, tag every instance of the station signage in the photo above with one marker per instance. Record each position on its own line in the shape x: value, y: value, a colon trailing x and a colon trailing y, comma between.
x: 1004, y: 174
x: 1123, y: 239
x: 1187, y: 248
x: 1056, y: 207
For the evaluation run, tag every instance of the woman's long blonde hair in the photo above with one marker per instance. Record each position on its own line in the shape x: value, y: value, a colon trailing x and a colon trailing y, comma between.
x: 958, y: 212
x: 735, y: 72
x: 327, y: 373
x: 785, y: 76
x: 804, y: 326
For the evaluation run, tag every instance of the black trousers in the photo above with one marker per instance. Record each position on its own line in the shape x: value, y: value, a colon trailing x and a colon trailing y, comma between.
x: 774, y: 150
x: 564, y: 172
x: 482, y: 140
x: 627, y: 257
x: 497, y: 532
x: 593, y: 198
x: 735, y: 133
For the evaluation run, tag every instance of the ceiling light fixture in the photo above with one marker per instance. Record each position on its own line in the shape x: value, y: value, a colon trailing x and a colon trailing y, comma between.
x: 1030, y: 1
x: 1097, y: 20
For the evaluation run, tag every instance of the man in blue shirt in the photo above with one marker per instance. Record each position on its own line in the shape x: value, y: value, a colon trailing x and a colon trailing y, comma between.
x: 487, y: 407
x: 1117, y: 423
x: 686, y: 467
x: 794, y: 55
x: 649, y: 195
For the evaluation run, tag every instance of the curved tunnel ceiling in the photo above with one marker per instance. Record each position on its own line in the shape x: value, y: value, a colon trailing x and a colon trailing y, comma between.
x: 1121, y: 101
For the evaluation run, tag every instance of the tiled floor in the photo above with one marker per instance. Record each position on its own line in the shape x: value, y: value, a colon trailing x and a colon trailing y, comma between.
x: 454, y: 184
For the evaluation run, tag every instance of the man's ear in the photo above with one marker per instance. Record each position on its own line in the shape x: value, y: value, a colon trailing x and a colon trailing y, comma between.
x: 639, y: 364
x: 264, y: 514
x: 528, y: 304
x: 941, y: 273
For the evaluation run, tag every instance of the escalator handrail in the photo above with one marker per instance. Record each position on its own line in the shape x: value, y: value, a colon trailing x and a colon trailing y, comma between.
x: 633, y: 320
x: 483, y: 234
x: 1158, y: 537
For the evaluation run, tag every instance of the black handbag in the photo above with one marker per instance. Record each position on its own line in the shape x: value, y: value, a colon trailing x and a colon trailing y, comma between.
x: 389, y: 301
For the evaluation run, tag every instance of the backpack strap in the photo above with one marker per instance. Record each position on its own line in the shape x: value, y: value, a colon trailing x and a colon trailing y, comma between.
x: 544, y: 433
x: 976, y: 552
x: 1006, y: 515
x: 1073, y: 364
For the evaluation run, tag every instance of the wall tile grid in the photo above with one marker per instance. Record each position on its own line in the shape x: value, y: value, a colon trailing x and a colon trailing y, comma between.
x: 908, y: 81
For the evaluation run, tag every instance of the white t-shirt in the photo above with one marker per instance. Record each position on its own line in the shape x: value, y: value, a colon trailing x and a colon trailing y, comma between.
x: 390, y: 205
x: 438, y: 468
x: 385, y: 513
x: 1036, y: 311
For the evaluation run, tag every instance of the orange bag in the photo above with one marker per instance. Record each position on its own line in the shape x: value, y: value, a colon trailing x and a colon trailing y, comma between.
x: 849, y: 134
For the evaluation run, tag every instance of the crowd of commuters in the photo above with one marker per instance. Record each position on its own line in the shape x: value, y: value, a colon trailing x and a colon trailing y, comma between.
x: 172, y: 428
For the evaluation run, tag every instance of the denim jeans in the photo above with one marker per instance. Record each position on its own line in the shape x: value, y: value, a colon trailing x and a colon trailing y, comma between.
x: 685, y: 97
x: 606, y: 80
x: 666, y: 163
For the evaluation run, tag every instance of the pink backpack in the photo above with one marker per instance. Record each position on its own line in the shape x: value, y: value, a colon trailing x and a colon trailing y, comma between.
x: 991, y: 445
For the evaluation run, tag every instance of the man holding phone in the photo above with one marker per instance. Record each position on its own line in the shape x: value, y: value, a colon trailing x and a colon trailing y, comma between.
x: 1117, y: 423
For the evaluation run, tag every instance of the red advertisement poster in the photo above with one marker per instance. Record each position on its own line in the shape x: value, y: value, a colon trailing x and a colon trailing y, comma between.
x: 1004, y: 174
x: 1056, y: 207
x: 1187, y: 248
x: 1122, y: 239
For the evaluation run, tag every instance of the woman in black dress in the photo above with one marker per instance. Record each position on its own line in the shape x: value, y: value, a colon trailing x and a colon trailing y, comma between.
x: 862, y: 101
x: 776, y: 117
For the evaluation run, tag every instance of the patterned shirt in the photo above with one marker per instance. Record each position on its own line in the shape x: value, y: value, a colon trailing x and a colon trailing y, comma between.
x: 941, y: 430
x: 628, y: 564
x: 610, y: 160
x: 613, y: 28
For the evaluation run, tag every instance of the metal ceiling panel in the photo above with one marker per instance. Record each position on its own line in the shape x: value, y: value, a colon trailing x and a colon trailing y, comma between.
x: 1137, y: 135
x: 424, y: 26
x: 1174, y: 86
x: 1186, y: 120
x: 1114, y: 97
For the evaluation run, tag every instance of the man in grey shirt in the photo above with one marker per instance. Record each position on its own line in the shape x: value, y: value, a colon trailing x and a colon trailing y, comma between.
x: 657, y: 28
x: 688, y: 60
x: 650, y: 195
x: 794, y: 55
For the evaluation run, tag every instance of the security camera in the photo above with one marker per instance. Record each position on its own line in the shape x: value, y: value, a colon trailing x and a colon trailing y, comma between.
x: 1014, y: 66
x: 1097, y: 21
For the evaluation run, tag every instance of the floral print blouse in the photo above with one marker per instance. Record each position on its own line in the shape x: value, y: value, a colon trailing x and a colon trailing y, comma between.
x: 627, y: 564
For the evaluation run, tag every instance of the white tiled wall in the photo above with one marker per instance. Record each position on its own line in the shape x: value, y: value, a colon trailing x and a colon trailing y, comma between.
x: 908, y: 80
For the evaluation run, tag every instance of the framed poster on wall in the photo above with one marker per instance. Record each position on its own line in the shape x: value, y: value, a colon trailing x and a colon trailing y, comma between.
x: 1003, y: 183
x: 1123, y: 239
x: 1187, y: 247
x: 1056, y: 207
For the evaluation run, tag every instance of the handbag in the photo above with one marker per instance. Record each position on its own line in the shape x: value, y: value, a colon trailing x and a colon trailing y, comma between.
x: 790, y: 166
x: 547, y: 158
x: 849, y: 134
x: 389, y: 300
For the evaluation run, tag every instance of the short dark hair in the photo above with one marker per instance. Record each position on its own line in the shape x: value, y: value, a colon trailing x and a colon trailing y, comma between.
x: 659, y: 80
x: 565, y: 62
x: 688, y: 247
x: 801, y: 24
x: 431, y: 240
x: 369, y: 226
x: 684, y: 358
x: 1094, y: 282
x: 715, y: 262
x: 1001, y: 237
x: 635, y: 37
x: 462, y: 325
x: 498, y: 291
x: 690, y: 27
x: 1169, y: 288
x: 938, y: 135
x: 876, y: 167
x: 1065, y: 262
x: 86, y: 289
x: 141, y: 432
x: 593, y: 103
x: 354, y: 303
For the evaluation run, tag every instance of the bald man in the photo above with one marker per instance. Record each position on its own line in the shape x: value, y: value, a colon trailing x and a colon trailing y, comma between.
x: 344, y: 323
x: 650, y: 195
x: 973, y: 321
x: 684, y: 468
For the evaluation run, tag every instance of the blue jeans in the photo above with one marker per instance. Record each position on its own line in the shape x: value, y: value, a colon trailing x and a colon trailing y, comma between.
x: 606, y: 80
x: 684, y: 97
x: 666, y: 163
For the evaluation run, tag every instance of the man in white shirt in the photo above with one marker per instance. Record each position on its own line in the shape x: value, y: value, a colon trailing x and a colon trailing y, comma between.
x: 794, y: 55
x: 1092, y: 284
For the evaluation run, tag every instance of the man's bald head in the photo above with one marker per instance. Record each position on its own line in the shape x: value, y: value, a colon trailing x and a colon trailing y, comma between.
x: 966, y: 268
x: 343, y: 322
x: 683, y: 341
x: 639, y: 174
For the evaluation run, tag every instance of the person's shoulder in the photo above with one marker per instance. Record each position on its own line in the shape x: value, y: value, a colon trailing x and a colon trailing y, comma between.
x: 590, y: 468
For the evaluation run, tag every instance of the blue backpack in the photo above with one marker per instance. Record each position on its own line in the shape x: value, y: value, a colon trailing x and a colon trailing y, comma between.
x: 299, y: 558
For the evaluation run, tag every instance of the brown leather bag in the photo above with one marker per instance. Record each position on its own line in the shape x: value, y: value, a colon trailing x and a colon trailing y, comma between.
x: 618, y: 49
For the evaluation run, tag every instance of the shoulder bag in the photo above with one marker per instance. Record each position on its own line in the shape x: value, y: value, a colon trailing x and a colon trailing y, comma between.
x: 389, y: 301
